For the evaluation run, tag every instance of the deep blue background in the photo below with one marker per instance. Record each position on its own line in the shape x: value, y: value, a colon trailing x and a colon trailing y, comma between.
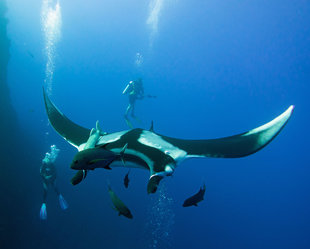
x: 218, y: 68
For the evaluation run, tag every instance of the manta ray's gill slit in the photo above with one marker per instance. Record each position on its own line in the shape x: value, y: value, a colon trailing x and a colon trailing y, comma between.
x: 51, y: 27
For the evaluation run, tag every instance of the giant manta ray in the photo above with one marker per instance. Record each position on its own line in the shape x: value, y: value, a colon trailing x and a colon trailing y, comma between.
x: 157, y: 153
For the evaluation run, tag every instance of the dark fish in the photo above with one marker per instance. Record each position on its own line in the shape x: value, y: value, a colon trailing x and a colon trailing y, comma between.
x: 126, y: 180
x: 92, y: 158
x: 120, y: 207
x: 78, y: 177
x: 193, y: 200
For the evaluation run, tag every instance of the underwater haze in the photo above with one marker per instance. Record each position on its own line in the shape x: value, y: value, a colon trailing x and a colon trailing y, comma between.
x: 216, y: 68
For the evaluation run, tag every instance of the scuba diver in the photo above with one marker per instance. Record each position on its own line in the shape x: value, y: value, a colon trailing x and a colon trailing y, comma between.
x: 135, y: 91
x: 48, y: 174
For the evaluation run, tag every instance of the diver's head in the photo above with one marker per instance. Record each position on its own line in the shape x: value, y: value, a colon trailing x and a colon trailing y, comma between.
x: 50, y: 157
x: 47, y: 158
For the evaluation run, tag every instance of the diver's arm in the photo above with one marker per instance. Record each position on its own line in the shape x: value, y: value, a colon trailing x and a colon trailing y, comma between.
x: 52, y: 171
x: 43, y: 171
x: 141, y: 93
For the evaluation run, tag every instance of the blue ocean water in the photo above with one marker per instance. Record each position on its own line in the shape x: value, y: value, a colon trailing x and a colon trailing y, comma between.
x: 218, y: 68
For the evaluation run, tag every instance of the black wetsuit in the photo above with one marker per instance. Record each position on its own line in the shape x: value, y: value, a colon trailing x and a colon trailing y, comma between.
x: 48, y: 174
x: 136, y: 91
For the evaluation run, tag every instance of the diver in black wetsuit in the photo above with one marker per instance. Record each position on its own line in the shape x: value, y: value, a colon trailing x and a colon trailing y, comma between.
x: 49, y: 174
x: 135, y: 91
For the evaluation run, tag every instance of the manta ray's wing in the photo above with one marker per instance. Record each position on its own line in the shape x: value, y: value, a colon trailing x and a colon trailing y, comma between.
x: 235, y: 146
x: 73, y: 133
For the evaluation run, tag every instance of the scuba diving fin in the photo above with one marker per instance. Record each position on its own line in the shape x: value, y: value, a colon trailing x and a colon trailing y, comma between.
x: 43, y: 214
x: 62, y: 202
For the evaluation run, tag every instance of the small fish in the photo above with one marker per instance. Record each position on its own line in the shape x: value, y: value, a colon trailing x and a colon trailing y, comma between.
x: 126, y: 180
x: 120, y: 207
x: 93, y: 138
x: 193, y: 200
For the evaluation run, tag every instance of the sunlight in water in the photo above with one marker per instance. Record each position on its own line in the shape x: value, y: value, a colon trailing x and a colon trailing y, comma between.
x: 161, y: 220
x: 51, y: 25
x: 152, y: 20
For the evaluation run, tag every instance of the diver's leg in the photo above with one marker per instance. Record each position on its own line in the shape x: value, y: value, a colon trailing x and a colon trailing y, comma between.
x: 133, y: 114
x: 44, y: 191
x: 55, y: 188
x: 133, y: 110
x: 126, y: 116
x: 129, y: 107
x: 62, y: 202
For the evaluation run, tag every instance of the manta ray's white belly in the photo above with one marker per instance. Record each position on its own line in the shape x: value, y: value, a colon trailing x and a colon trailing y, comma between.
x: 110, y: 138
x: 153, y: 140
